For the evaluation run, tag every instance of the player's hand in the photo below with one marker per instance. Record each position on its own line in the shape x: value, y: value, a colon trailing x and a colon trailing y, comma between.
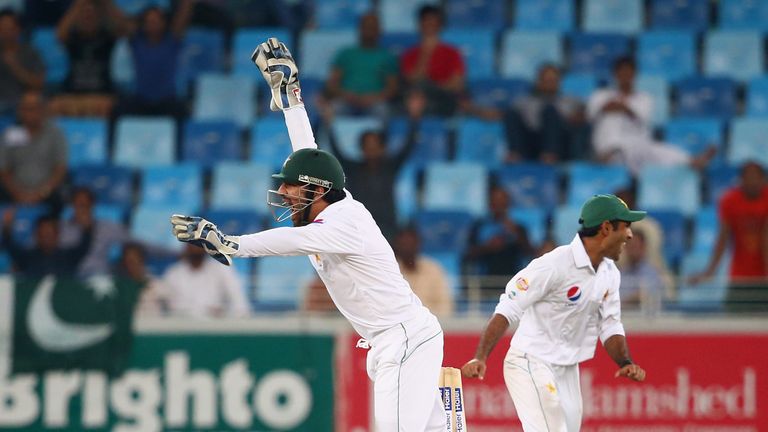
x: 474, y: 369
x: 700, y: 277
x: 279, y: 70
x: 196, y: 230
x: 631, y: 371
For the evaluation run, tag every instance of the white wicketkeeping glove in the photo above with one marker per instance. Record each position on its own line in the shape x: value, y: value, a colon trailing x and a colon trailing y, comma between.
x: 276, y: 64
x: 196, y: 230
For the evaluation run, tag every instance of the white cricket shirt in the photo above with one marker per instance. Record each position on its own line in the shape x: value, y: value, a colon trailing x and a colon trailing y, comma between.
x: 563, y: 305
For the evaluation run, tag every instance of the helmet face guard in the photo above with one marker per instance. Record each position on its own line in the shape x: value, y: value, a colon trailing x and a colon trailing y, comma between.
x: 281, y: 207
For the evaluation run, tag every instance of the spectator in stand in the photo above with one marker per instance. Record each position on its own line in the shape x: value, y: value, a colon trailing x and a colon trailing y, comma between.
x: 89, y: 31
x: 372, y: 180
x: 199, y: 287
x: 316, y: 297
x: 33, y: 156
x: 363, y: 79
x: 21, y: 67
x: 426, y: 276
x: 433, y: 66
x: 743, y: 212
x: 46, y: 256
x: 622, y: 130
x: 498, y: 246
x: 642, y: 283
x: 151, y: 302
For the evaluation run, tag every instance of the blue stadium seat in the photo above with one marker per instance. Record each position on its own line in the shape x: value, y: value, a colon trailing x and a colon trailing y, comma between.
x: 5, y: 121
x: 719, y: 179
x: 86, y: 139
x: 207, y: 142
x: 400, y: 15
x: 669, y: 188
x: 565, y: 223
x: 122, y: 68
x: 23, y: 229
x: 270, y: 143
x: 476, y: 45
x: 5, y: 263
x: 706, y: 97
x: 145, y: 141
x: 530, y: 185
x: 670, y: 54
x: 108, y: 212
x: 534, y: 220
x: 225, y: 97
x: 706, y: 296
x: 680, y: 14
x: 444, y: 183
x: 240, y: 186
x: 743, y: 15
x: 406, y: 194
x: 281, y: 281
x: 110, y: 184
x: 348, y: 130
x: 150, y: 225
x: 549, y: 15
x: 476, y: 14
x: 431, y: 145
x: 586, y: 179
x: 594, y: 53
x: 747, y: 141
x: 705, y: 230
x: 658, y: 88
x: 735, y: 54
x: 443, y: 231
x: 694, y: 135
x: 318, y: 48
x: 173, y: 185
x: 579, y: 86
x: 673, y: 225
x: 340, y: 14
x: 522, y: 53
x: 202, y: 51
x: 498, y: 93
x: 480, y: 141
x: 53, y: 54
x: 236, y: 222
x: 397, y: 43
x: 134, y: 7
x: 244, y: 42
x: 613, y: 16
x: 757, y: 97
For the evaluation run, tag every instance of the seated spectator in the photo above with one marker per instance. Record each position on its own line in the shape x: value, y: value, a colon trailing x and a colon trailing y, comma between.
x: 33, y: 156
x: 425, y: 275
x: 622, y: 131
x: 363, y: 79
x: 199, y: 287
x: 316, y: 298
x: 642, y: 285
x: 433, y: 66
x: 151, y: 302
x: 21, y: 68
x: 89, y: 31
x: 498, y: 246
x: 46, y: 256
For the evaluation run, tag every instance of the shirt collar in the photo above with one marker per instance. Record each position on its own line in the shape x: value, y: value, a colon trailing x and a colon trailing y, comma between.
x: 580, y: 257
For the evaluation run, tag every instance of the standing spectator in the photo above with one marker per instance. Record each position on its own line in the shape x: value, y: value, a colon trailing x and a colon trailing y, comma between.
x: 425, y: 275
x: 364, y: 77
x: 641, y: 282
x: 743, y: 212
x: 622, y: 129
x: 133, y: 266
x: 21, y: 68
x: 199, y: 287
x: 33, y: 156
x: 435, y: 67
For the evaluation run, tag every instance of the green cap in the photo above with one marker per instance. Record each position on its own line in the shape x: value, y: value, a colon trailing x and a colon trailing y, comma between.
x: 313, y: 166
x: 601, y: 208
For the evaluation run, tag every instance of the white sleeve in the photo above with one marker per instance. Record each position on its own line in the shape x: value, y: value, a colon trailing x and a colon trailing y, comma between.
x: 610, y: 312
x: 595, y: 104
x: 317, y: 237
x: 234, y: 292
x: 527, y: 287
x: 642, y: 105
x: 299, y: 129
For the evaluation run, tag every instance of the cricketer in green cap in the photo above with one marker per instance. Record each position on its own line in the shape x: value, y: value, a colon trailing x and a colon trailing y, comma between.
x: 601, y: 208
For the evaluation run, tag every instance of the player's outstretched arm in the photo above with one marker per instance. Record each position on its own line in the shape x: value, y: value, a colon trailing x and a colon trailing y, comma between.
x: 494, y: 330
x: 198, y: 231
x: 617, y: 348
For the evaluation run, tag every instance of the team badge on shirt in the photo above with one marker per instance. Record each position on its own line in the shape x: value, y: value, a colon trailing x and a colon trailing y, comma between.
x: 574, y: 293
x: 521, y: 284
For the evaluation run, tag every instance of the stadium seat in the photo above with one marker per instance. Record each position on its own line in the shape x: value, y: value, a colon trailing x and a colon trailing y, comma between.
x: 134, y: 7
x: 658, y: 88
x: 318, y: 48
x: 747, y: 141
x: 5, y: 121
x: 5, y: 263
x: 110, y: 184
x: 707, y: 296
x: 107, y: 212
x: 173, y: 185
x: 443, y: 231
x: 122, y: 68
x: 240, y: 186
x: 225, y: 97
x: 281, y: 281
x: 586, y: 179
x: 340, y: 14
x: 23, y: 229
x: 743, y: 15
x: 270, y: 144
x: 490, y: 14
x: 669, y: 188
x: 236, y: 222
x: 734, y: 54
x: 480, y: 141
x: 406, y: 194
x: 694, y: 135
x: 549, y: 15
x: 522, y: 53
x: 534, y: 220
x: 477, y: 48
x: 53, y: 54
x: 679, y: 15
x: 431, y: 145
x: 673, y: 225
x: 397, y: 43
x: 150, y: 225
x: 400, y: 15
x: 757, y: 97
x: 579, y: 86
x: 613, y: 16
x: 720, y: 178
x: 705, y: 230
x: 145, y: 141
x: 244, y: 42
x: 448, y: 186
x: 207, y: 142
x: 530, y: 185
x: 669, y: 54
x: 498, y: 93
x: 565, y: 223
x: 706, y: 97
x: 594, y: 53
x: 348, y: 130
x: 86, y: 140
x: 202, y: 51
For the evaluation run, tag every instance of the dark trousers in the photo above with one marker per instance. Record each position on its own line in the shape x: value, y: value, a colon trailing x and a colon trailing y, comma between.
x: 555, y: 135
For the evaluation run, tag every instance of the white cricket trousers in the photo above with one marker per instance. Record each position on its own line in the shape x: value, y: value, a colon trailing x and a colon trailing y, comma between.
x: 547, y: 397
x: 404, y: 363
